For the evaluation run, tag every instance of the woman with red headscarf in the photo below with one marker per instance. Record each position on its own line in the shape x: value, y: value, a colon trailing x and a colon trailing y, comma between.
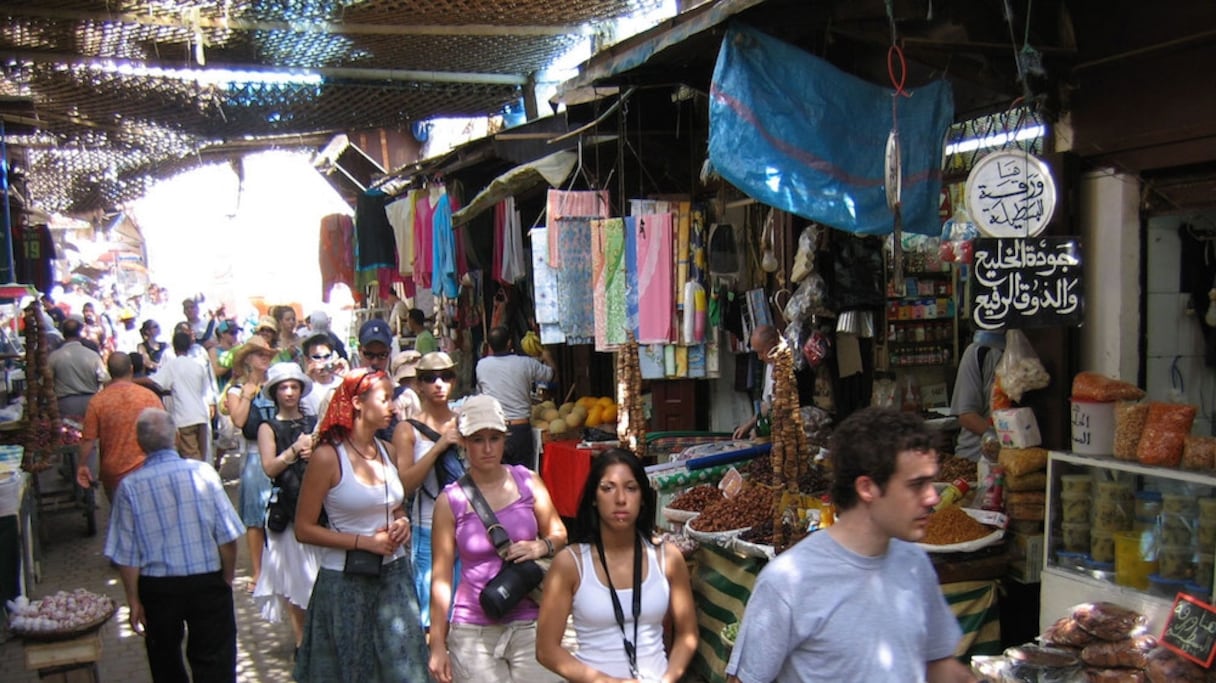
x: 362, y: 623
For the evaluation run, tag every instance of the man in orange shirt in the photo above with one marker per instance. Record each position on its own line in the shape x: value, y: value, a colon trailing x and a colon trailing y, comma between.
x: 109, y: 421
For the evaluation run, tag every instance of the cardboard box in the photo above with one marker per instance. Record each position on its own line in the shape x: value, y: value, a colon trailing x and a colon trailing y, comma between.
x: 1026, y: 557
x: 1017, y: 428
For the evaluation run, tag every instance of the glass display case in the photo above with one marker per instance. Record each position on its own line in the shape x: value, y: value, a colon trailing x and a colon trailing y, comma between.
x: 1132, y: 534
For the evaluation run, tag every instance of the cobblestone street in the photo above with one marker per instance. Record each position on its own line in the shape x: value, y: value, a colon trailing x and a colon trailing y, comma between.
x: 71, y: 560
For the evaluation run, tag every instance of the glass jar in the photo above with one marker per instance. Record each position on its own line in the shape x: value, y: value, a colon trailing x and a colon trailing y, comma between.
x: 1179, y: 504
x: 1076, y: 483
x: 1207, y: 510
x: 1110, y: 515
x: 1075, y: 507
x: 1102, y: 545
x: 1076, y: 536
x: 1176, y: 562
x: 1205, y: 534
x: 1148, y: 505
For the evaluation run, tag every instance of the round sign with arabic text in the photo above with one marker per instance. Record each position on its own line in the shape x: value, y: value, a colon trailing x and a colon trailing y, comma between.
x: 1010, y: 193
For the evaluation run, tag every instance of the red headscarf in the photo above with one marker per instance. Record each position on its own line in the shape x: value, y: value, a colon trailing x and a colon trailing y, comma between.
x: 339, y: 418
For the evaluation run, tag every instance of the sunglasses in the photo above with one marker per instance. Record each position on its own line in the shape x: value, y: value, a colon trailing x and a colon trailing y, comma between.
x: 322, y: 356
x: 375, y: 355
x: 431, y: 377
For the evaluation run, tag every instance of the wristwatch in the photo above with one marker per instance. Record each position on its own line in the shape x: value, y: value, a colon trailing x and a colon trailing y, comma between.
x: 549, y: 545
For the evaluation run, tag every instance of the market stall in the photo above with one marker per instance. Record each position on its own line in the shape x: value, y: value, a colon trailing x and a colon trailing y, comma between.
x: 722, y: 581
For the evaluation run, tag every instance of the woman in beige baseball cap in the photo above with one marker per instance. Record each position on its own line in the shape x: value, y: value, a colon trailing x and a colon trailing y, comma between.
x: 461, y: 647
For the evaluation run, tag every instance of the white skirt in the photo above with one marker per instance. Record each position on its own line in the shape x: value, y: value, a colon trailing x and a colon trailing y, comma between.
x: 289, y: 569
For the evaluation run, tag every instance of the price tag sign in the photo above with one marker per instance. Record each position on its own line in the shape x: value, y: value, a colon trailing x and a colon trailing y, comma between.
x: 1190, y: 630
x: 1020, y: 283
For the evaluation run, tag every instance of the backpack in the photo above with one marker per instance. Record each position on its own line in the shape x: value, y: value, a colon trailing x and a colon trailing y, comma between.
x: 288, y: 481
x: 448, y: 466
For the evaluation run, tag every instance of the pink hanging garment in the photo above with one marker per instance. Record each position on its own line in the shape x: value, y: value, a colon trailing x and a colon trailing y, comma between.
x: 500, y: 238
x: 655, y: 279
x: 562, y: 206
x: 424, y: 235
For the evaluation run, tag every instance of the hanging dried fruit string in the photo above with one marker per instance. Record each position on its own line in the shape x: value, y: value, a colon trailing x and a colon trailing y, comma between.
x: 790, y: 446
x: 43, y: 436
x: 631, y: 421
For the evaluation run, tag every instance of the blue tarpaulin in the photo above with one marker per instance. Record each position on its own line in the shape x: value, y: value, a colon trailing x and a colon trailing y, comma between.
x: 796, y: 133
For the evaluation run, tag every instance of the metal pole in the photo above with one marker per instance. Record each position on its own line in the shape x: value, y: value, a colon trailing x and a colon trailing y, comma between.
x: 6, y: 268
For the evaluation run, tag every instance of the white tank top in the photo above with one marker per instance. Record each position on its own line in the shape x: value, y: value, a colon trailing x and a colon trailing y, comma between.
x: 357, y: 508
x: 599, y: 637
x: 424, y: 497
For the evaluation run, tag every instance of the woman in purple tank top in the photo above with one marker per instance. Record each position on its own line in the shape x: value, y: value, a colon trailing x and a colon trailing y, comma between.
x: 469, y: 645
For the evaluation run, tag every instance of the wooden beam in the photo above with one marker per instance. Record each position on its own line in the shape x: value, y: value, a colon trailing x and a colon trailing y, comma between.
x: 364, y: 76
x: 234, y: 24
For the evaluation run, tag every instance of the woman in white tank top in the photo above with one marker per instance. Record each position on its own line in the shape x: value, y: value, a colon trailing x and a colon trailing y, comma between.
x: 361, y: 626
x: 615, y: 553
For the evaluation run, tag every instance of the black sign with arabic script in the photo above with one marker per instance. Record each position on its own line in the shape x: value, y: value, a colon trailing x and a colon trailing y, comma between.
x: 1190, y: 630
x: 1019, y: 283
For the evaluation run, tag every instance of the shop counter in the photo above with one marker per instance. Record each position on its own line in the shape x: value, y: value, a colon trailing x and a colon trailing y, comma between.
x: 722, y: 583
x: 564, y: 467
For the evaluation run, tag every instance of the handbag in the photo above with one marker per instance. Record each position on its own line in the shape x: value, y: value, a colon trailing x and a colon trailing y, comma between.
x: 516, y: 579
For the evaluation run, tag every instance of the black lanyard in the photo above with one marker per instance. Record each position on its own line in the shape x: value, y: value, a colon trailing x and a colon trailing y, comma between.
x: 630, y: 647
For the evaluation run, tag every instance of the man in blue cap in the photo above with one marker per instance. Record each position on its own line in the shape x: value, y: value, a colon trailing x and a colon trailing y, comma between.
x: 375, y: 345
x: 375, y: 348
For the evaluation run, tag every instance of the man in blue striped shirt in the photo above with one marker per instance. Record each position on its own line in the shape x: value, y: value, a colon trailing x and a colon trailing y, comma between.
x: 173, y: 534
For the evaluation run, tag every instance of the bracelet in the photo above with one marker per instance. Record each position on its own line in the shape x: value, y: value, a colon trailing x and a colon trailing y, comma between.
x: 549, y: 545
x: 356, y: 541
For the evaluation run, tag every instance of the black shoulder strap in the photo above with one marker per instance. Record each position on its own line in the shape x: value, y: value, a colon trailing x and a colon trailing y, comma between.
x: 425, y: 430
x: 980, y: 354
x: 498, y: 535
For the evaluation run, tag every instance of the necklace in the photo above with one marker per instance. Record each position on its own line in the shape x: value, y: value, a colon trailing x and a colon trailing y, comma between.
x: 359, y: 452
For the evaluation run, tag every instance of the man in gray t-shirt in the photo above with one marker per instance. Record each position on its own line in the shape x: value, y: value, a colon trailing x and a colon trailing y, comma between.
x: 971, y: 402
x: 509, y: 377
x: 858, y: 602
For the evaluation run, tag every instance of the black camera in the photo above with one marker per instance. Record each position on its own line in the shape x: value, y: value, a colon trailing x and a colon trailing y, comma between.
x: 513, y: 583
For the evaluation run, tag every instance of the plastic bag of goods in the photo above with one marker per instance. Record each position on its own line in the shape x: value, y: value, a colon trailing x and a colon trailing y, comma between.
x: 1165, y: 434
x: 1130, y: 417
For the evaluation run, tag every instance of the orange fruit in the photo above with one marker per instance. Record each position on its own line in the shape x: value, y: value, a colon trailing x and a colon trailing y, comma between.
x: 594, y: 417
x: 608, y: 414
x: 604, y: 402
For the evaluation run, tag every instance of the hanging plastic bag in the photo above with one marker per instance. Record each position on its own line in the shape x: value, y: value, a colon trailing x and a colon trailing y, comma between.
x: 1020, y: 369
x: 816, y: 348
x: 806, y: 300
x: 804, y: 260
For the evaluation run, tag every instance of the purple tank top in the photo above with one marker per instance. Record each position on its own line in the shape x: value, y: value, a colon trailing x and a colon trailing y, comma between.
x: 479, y: 562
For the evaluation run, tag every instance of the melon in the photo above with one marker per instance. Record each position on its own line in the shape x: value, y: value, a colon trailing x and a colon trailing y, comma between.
x: 550, y: 414
x: 557, y: 426
x: 565, y: 409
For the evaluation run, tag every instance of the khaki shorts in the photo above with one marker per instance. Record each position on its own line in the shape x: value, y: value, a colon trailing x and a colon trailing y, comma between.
x: 504, y: 653
x: 190, y: 441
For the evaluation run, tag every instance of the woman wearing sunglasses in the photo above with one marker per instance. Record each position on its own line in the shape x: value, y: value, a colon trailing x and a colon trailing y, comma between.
x: 362, y: 623
x: 426, y: 445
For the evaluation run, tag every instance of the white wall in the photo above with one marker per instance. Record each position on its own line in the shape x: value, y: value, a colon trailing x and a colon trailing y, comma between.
x: 1173, y: 335
x: 1110, y: 237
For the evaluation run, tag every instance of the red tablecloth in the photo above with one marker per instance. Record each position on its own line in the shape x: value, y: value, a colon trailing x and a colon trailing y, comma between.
x: 564, y: 469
